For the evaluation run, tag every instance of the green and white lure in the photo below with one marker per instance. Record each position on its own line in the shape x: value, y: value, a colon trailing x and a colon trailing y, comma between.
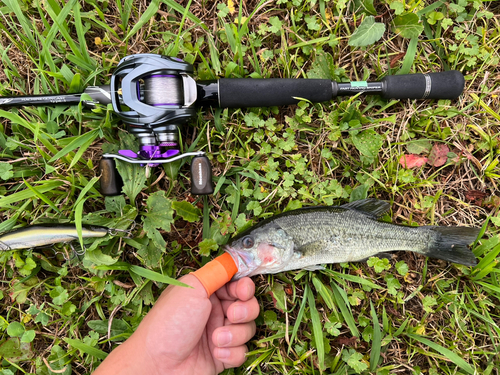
x: 48, y: 234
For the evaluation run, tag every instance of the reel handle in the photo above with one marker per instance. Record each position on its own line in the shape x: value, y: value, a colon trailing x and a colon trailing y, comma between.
x: 442, y: 85
x: 201, y: 176
x: 111, y: 181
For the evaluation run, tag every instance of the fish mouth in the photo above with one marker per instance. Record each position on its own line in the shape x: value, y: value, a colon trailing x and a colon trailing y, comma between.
x: 242, y: 259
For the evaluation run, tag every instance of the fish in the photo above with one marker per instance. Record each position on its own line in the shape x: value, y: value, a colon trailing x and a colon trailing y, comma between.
x: 308, y: 238
x: 46, y: 234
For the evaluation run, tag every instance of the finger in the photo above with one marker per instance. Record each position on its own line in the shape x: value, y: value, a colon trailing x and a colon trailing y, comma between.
x: 242, y: 289
x: 233, y: 335
x: 231, y: 357
x: 243, y: 312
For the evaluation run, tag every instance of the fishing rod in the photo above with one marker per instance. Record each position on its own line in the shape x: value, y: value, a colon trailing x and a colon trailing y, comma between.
x: 155, y: 94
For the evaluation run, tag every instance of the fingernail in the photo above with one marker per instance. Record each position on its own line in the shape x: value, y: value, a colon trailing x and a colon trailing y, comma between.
x: 222, y: 353
x: 224, y: 338
x: 239, y: 313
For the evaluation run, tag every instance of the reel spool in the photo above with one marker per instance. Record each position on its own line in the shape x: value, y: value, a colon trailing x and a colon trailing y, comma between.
x: 153, y: 95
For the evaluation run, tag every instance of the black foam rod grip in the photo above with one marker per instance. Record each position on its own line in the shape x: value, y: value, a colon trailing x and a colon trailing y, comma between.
x: 249, y: 92
x: 111, y: 181
x: 201, y: 176
x: 444, y: 85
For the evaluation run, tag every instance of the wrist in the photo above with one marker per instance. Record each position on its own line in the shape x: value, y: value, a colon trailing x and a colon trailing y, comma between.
x: 128, y: 358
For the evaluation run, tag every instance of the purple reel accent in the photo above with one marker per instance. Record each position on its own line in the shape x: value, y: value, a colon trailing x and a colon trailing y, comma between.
x: 149, y: 153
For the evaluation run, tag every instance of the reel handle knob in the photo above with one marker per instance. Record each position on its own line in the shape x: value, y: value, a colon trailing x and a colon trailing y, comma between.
x: 201, y: 176
x: 111, y: 181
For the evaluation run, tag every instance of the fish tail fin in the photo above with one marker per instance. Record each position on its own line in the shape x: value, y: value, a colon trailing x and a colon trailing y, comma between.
x: 452, y: 244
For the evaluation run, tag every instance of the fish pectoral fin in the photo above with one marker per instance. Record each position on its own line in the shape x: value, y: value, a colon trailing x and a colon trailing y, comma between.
x: 370, y: 206
x: 314, y: 267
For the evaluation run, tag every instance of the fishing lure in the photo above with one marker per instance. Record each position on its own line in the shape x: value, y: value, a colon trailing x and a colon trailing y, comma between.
x: 49, y: 234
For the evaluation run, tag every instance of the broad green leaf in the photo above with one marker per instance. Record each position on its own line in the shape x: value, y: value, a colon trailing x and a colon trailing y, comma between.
x: 401, y: 267
x: 359, y: 192
x: 6, y: 171
x: 28, y: 336
x: 419, y: 146
x: 434, y: 17
x: 379, y: 264
x: 276, y: 25
x: 134, y: 178
x: 148, y: 250
x: 187, y: 211
x: 354, y: 360
x: 408, y: 25
x: 398, y: 7
x: 367, y: 33
x: 279, y: 296
x: 14, y: 350
x: 207, y: 246
x: 15, y: 329
x: 159, y: 215
x: 59, y: 295
x: 98, y: 258
x: 333, y: 328
x: 159, y: 212
x: 323, y: 67
x: 364, y: 6
x: 115, y: 204
x: 368, y: 142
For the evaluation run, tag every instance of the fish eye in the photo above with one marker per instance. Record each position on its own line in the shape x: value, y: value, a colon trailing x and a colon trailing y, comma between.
x: 247, y: 242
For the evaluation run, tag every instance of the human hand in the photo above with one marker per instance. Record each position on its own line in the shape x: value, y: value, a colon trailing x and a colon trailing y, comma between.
x: 188, y: 333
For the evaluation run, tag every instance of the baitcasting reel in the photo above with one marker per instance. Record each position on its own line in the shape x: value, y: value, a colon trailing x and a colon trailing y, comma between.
x: 154, y: 95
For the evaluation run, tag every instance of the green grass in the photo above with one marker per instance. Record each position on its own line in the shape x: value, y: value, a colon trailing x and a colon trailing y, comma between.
x: 412, y: 315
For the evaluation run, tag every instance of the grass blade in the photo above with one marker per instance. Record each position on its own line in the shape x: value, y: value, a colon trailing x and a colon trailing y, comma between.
x: 27, y: 194
x: 145, y: 17
x: 75, y: 143
x: 451, y: 356
x: 42, y: 197
x: 411, y: 51
x: 376, y: 341
x: 172, y: 4
x: 343, y: 304
x: 155, y: 276
x: 324, y: 292
x: 298, y: 321
x: 317, y: 331
x: 87, y: 349
x: 352, y: 278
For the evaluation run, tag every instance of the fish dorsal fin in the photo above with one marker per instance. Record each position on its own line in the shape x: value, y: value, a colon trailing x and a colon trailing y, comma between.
x: 370, y: 206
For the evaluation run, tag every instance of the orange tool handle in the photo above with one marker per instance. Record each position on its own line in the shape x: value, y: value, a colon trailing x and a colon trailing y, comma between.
x: 216, y: 273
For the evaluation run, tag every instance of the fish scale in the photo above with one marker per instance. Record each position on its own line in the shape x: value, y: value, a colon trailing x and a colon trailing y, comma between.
x: 332, y: 236
x: 307, y: 238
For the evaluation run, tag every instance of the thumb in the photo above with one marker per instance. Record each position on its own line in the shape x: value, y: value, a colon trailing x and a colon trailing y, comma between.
x: 216, y: 273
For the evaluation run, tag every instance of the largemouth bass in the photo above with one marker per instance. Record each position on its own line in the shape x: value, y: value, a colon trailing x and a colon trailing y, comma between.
x: 309, y: 237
